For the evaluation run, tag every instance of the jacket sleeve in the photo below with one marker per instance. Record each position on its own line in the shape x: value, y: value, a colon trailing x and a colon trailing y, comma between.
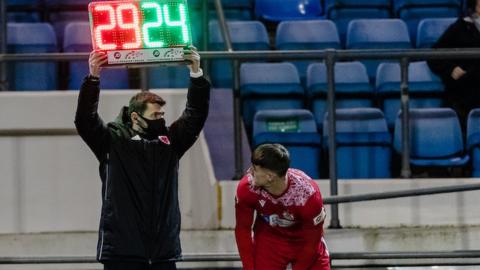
x: 244, y: 214
x: 444, y: 68
x: 185, y: 130
x: 89, y: 125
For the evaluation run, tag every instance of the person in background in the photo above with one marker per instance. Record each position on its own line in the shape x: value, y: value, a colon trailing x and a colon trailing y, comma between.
x: 461, y: 77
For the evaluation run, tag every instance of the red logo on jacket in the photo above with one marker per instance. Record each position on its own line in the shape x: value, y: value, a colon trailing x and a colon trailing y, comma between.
x: 164, y: 139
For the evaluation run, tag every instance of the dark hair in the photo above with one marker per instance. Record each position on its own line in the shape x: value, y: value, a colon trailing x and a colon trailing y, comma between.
x: 138, y: 103
x: 471, y: 7
x: 274, y: 157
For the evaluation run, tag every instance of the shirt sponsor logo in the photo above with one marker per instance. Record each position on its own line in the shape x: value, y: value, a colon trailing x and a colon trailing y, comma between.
x: 275, y: 221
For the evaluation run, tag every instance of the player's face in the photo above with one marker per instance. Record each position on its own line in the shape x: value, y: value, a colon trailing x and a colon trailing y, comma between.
x: 261, y: 177
x: 154, y: 111
x: 477, y: 7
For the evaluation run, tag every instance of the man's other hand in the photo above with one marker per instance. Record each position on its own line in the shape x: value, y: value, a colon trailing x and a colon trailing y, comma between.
x: 95, y: 62
x: 191, y: 54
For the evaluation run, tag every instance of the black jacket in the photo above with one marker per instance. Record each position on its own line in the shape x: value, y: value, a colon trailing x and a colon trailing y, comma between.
x: 140, y: 218
x: 461, y: 34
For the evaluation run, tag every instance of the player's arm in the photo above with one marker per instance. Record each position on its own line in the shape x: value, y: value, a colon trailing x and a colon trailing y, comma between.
x: 185, y: 130
x: 312, y: 230
x: 244, y: 214
x: 87, y: 121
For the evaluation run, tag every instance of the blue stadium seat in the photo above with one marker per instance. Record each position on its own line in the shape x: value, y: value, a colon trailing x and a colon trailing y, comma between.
x: 429, y: 30
x: 226, y: 4
x: 363, y: 143
x: 295, y: 129
x: 269, y: 86
x: 412, y: 11
x: 273, y: 10
x: 245, y: 35
x: 306, y: 35
x: 78, y: 39
x: 352, y: 87
x: 343, y: 11
x: 32, y: 38
x: 425, y: 88
x: 435, y: 138
x: 377, y: 34
x: 473, y: 140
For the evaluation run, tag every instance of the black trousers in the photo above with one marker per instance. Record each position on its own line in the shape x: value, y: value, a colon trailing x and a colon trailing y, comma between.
x: 119, y: 265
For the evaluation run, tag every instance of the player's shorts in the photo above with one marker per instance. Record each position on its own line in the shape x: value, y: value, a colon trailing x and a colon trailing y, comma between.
x: 275, y: 254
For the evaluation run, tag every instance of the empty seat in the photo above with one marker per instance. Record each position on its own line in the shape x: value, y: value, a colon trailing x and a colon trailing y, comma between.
x: 429, y: 30
x: 377, y: 34
x: 245, y: 35
x: 343, y: 11
x: 78, y: 39
x: 269, y: 86
x: 412, y: 11
x: 473, y: 140
x: 363, y: 143
x: 352, y: 87
x: 32, y: 38
x: 435, y: 138
x: 306, y: 35
x: 273, y: 10
x: 425, y: 88
x: 296, y: 130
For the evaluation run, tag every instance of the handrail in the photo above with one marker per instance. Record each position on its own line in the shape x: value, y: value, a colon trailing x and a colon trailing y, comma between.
x: 411, y: 54
x: 233, y: 257
x: 404, y: 56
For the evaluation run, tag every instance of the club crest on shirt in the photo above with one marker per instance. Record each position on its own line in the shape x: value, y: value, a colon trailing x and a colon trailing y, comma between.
x: 164, y: 139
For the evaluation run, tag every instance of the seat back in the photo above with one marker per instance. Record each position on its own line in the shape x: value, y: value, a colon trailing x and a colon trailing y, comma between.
x: 434, y: 133
x: 429, y: 30
x: 32, y: 38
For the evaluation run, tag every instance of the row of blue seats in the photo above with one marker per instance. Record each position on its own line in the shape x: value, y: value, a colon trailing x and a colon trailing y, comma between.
x: 364, y: 144
x: 277, y: 85
x: 321, y: 34
x: 246, y: 35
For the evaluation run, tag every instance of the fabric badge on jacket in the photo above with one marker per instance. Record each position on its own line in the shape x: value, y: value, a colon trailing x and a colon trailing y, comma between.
x: 164, y: 139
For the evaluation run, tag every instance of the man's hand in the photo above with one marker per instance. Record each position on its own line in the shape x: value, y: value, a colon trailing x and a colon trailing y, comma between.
x: 95, y: 62
x: 192, y: 55
x: 457, y: 73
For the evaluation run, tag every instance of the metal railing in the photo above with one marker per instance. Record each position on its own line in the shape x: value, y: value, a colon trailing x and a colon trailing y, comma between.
x: 330, y: 56
x: 468, y: 257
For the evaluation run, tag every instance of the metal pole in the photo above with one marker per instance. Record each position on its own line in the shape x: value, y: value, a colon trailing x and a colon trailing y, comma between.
x: 223, y: 26
x: 206, y: 38
x: 237, y: 121
x: 144, y: 85
x: 406, y: 171
x: 332, y: 151
x: 3, y: 44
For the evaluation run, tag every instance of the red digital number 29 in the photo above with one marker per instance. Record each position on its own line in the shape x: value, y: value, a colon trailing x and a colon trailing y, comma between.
x: 118, y: 20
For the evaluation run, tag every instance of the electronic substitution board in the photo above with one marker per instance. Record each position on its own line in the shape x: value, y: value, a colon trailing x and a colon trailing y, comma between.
x: 140, y: 31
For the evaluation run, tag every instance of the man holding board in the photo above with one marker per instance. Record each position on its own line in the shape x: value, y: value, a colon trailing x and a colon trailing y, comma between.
x: 138, y: 154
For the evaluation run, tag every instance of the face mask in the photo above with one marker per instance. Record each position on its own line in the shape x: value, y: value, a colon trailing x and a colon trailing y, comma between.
x: 153, y: 128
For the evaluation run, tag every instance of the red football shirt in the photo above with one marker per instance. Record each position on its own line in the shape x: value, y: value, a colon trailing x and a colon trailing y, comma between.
x: 296, y: 217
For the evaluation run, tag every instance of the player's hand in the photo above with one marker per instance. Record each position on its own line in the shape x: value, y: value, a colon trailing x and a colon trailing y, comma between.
x: 457, y: 73
x: 95, y: 62
x: 191, y: 54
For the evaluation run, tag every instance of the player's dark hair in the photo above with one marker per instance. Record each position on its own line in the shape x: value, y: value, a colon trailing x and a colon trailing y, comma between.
x: 471, y: 7
x: 274, y: 157
x: 138, y: 103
